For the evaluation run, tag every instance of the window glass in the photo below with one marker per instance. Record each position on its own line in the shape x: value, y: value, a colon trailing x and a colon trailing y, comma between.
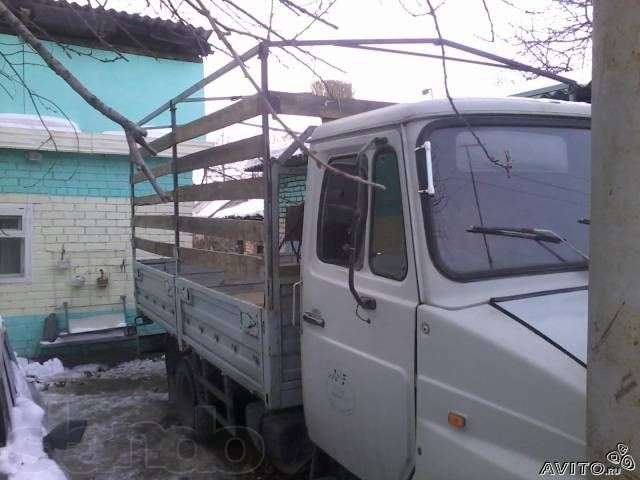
x: 545, y: 186
x: 15, y: 241
x: 10, y: 222
x: 11, y: 256
x: 388, y: 254
x: 337, y: 207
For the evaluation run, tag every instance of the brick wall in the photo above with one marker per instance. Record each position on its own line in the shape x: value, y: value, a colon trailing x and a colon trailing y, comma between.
x: 73, y: 174
x: 92, y: 228
x: 291, y: 192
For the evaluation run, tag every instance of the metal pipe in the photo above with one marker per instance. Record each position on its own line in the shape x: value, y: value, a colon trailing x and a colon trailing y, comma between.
x: 350, y: 41
x: 269, y: 209
x: 361, y: 42
x: 176, y: 200
x: 507, y: 61
x: 213, y: 99
x: 430, y: 55
x: 132, y: 204
x: 432, y: 41
x: 200, y: 85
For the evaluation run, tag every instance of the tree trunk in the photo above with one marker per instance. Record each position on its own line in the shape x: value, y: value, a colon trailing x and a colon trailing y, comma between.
x: 613, y: 371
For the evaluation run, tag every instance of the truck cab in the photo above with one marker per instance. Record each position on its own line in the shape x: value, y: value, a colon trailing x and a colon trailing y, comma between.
x: 443, y: 310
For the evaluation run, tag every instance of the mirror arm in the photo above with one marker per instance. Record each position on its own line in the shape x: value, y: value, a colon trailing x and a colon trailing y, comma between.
x: 367, y: 303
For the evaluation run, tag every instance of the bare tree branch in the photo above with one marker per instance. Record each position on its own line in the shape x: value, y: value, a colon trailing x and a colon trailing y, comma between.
x: 558, y: 38
x: 294, y: 6
x: 23, y: 32
x: 199, y: 7
x: 490, y: 19
x: 132, y: 130
x: 507, y: 164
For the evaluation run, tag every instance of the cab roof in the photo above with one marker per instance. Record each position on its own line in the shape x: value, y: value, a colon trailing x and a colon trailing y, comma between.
x: 405, y: 112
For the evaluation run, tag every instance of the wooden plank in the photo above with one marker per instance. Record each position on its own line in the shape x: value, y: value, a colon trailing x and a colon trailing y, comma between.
x: 159, y: 248
x: 230, y: 190
x: 244, y: 149
x: 311, y: 105
x: 250, y: 230
x: 152, y: 200
x: 239, y: 111
x: 234, y: 265
x: 163, y: 222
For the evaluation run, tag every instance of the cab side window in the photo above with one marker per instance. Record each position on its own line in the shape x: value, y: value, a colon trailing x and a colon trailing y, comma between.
x: 387, y: 250
x: 337, y: 207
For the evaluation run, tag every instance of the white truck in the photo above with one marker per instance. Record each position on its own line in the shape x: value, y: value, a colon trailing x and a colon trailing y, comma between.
x: 433, y: 329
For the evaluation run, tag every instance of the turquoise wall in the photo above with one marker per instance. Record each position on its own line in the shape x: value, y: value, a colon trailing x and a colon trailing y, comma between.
x: 134, y: 86
x: 74, y: 174
x: 25, y: 331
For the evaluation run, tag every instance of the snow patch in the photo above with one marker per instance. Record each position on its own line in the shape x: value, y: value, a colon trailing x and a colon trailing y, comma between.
x: 135, y: 369
x: 41, y: 371
x: 35, y: 122
x: 23, y: 457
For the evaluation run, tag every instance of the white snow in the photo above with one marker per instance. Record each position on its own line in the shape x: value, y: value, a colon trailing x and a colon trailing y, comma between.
x: 135, y: 369
x: 23, y: 458
x: 41, y: 371
x: 35, y: 122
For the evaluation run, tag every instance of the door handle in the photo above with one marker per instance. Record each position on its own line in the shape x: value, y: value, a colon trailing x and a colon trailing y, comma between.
x: 313, y: 318
x: 296, y: 288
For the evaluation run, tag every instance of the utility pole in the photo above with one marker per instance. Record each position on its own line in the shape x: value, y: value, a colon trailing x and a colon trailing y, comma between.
x: 613, y: 369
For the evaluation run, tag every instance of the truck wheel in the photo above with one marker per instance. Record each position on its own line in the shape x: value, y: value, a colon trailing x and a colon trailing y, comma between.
x: 171, y: 360
x: 287, y: 444
x: 190, y: 411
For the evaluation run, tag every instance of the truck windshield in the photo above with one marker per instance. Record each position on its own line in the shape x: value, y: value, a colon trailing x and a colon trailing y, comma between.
x: 532, y: 176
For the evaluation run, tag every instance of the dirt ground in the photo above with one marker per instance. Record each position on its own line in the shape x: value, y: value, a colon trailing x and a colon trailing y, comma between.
x: 133, y: 432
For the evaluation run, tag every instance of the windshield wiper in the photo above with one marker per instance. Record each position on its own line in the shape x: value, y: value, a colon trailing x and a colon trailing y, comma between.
x: 535, y: 234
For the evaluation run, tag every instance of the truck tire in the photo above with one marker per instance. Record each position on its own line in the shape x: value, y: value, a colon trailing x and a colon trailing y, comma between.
x: 191, y: 413
x: 171, y: 361
x: 286, y: 443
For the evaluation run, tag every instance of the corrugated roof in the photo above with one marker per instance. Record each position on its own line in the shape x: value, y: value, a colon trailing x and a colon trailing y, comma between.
x: 69, y: 22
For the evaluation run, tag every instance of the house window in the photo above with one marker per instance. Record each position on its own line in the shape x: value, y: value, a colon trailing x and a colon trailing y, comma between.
x: 15, y: 242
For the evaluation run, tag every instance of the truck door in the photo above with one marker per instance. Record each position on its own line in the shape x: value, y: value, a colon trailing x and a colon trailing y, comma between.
x: 358, y: 364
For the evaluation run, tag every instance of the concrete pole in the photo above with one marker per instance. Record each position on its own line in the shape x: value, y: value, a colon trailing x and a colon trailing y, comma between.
x: 613, y: 371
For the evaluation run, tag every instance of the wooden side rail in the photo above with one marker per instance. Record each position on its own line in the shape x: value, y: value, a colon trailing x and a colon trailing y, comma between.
x: 229, y: 190
x: 286, y: 103
x: 244, y: 149
x: 250, y: 230
x: 239, y: 111
x: 311, y: 105
x: 159, y: 248
x: 235, y: 265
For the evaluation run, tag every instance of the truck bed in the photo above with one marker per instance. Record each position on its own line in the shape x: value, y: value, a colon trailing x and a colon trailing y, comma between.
x: 227, y: 324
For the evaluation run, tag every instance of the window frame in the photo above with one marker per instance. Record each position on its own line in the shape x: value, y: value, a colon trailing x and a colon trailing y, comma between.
x: 24, y: 211
x: 372, y: 202
x: 484, y: 120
